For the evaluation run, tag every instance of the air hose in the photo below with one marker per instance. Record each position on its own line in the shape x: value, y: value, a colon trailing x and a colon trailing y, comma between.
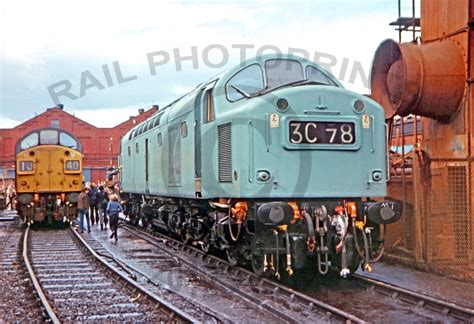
x: 367, y: 256
x: 288, y: 254
x: 364, y: 255
x: 236, y: 237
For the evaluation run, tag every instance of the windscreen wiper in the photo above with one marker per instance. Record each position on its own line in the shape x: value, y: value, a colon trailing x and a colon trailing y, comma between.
x: 289, y: 84
x: 306, y: 82
x: 242, y: 92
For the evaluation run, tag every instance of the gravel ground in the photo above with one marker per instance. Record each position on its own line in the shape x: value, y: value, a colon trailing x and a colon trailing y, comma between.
x: 17, y: 300
x: 81, y: 290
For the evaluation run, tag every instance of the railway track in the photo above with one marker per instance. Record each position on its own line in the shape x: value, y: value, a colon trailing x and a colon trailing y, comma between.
x: 444, y: 308
x: 368, y: 292
x: 178, y: 283
x: 287, y: 304
x: 17, y: 301
x: 75, y: 284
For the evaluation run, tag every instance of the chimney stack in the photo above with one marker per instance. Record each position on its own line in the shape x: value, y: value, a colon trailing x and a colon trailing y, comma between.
x: 60, y: 106
x: 157, y: 107
x: 141, y: 111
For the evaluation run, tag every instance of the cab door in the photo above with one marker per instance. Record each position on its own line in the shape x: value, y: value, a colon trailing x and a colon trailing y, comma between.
x: 147, y: 163
x: 203, y: 113
x: 43, y: 170
x: 56, y: 169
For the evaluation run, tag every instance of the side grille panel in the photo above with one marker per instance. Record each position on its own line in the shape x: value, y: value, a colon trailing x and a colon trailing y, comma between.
x: 225, y: 152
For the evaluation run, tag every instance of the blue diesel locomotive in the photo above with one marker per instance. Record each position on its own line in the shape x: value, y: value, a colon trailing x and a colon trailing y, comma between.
x: 272, y: 162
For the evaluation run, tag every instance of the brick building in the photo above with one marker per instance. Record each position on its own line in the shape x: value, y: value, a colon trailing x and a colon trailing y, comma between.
x: 100, y: 145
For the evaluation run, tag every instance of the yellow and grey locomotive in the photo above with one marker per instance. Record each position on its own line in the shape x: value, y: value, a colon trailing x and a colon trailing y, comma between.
x: 48, y: 175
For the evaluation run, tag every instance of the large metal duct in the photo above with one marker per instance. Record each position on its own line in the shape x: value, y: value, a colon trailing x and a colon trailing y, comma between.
x: 426, y: 80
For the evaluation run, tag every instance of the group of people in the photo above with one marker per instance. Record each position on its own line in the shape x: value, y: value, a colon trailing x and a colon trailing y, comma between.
x: 103, y: 206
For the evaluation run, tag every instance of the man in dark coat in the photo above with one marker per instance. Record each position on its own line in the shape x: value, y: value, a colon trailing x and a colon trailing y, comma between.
x: 94, y: 204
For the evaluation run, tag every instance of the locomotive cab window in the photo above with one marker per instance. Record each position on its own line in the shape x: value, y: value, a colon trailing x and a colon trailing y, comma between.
x: 129, y: 151
x: 247, y: 81
x: 207, y: 103
x: 48, y: 137
x: 68, y: 141
x: 136, y: 148
x: 280, y: 72
x: 30, y: 141
x: 313, y: 74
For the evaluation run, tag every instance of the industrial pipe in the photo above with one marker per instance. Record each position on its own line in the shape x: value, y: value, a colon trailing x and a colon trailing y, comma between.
x: 427, y: 80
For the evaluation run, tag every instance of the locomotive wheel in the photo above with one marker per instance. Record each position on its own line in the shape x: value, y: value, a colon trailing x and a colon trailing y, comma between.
x: 257, y: 265
x: 231, y: 257
x: 185, y: 237
x: 144, y: 222
x: 206, y: 244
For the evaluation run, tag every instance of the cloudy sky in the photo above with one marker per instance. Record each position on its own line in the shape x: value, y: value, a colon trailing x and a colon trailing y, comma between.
x: 53, y: 44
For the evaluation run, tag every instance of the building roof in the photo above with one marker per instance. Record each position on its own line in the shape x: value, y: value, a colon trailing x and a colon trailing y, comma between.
x: 60, y: 112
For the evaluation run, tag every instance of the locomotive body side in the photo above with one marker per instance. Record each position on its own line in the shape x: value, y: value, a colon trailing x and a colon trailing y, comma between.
x: 48, y: 176
x: 274, y: 145
x: 255, y: 145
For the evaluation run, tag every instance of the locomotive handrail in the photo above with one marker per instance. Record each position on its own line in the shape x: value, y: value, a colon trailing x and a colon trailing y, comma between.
x: 387, y: 158
x: 372, y: 122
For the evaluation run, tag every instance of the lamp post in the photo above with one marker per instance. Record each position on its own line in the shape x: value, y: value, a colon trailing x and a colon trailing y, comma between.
x: 110, y: 150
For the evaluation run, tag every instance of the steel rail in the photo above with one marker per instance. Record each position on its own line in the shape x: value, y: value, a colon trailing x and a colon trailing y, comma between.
x: 36, y: 285
x: 308, y: 301
x: 173, y: 311
x: 424, y: 300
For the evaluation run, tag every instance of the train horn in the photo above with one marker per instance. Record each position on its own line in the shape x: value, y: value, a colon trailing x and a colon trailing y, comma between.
x: 426, y: 80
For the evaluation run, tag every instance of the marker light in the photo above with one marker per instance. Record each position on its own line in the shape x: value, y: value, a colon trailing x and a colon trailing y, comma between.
x: 282, y: 104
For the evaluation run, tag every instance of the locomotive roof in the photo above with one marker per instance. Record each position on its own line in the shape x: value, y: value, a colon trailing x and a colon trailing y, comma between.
x: 222, y: 77
x: 227, y: 74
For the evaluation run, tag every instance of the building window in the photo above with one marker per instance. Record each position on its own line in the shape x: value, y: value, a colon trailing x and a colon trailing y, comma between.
x: 10, y: 174
x: 55, y: 123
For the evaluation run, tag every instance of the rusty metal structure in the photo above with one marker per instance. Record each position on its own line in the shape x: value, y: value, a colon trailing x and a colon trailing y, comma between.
x: 431, y: 77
